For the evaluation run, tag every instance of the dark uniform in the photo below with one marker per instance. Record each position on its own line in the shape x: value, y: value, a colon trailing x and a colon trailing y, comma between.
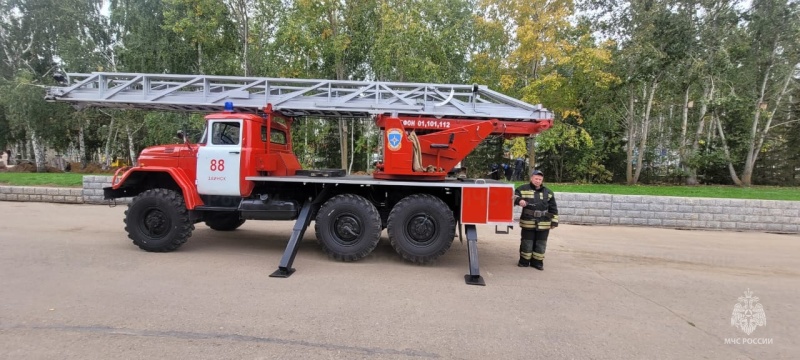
x: 538, y: 217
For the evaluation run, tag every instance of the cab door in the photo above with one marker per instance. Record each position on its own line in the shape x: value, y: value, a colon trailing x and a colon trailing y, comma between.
x: 219, y: 161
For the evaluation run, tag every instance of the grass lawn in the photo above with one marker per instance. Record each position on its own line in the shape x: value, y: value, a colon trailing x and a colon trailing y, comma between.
x: 710, y: 191
x: 43, y: 179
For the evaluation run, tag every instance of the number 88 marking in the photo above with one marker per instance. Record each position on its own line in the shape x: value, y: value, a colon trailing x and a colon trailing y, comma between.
x: 218, y: 165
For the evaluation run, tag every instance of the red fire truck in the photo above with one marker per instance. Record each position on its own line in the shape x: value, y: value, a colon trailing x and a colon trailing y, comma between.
x: 243, y: 167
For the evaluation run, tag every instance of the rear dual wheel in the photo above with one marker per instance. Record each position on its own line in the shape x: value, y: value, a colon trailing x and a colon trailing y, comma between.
x: 421, y: 228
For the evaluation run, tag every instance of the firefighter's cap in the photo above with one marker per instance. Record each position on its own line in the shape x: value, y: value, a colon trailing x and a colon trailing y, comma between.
x: 537, y: 172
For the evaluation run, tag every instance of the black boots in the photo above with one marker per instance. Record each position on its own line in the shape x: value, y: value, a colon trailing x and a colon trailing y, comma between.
x: 538, y: 264
x: 523, y: 262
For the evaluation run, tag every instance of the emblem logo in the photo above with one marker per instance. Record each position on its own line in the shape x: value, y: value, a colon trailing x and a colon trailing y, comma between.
x: 394, y: 137
x: 748, y: 313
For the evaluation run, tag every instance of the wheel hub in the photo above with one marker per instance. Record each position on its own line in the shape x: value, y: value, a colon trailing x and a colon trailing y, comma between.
x: 156, y: 223
x: 421, y: 228
x: 347, y: 228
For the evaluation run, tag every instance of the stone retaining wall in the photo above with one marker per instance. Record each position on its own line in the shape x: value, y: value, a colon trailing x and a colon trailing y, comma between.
x: 93, y: 190
x: 574, y: 208
x: 42, y: 194
x: 678, y: 212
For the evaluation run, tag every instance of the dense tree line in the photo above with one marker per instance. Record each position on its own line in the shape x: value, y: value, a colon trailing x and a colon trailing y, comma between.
x: 691, y: 91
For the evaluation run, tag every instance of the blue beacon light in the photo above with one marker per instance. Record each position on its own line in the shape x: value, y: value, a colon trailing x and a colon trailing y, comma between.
x: 228, y: 106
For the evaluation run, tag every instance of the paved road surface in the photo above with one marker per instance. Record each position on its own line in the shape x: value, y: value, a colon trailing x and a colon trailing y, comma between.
x: 73, y: 287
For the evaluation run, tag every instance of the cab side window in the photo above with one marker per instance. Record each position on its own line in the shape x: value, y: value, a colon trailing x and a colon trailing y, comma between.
x: 225, y: 133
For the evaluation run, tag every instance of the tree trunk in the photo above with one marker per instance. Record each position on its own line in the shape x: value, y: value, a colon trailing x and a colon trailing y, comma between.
x: 752, y: 156
x: 246, y: 45
x: 368, y: 153
x: 28, y: 149
x: 631, y: 138
x: 15, y: 154
x: 338, y: 57
x: 82, y: 144
x: 19, y: 149
x: 684, y: 123
x: 240, y: 9
x: 339, y: 69
x: 708, y: 96
x: 731, y: 169
x: 38, y: 151
x: 682, y: 152
x: 306, y: 163
x: 343, y: 142
x: 200, y: 58
x: 645, y: 130
x: 352, y: 146
x: 131, y: 145
x: 107, y: 152
x: 749, y: 161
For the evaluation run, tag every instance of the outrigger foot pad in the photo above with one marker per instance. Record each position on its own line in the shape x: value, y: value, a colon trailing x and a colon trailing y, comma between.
x: 283, y: 272
x: 474, y: 280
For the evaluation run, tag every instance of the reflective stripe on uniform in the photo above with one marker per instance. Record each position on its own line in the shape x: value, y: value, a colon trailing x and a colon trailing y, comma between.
x: 527, y: 224
x: 537, y: 256
x: 531, y: 224
x: 526, y: 256
x: 526, y: 193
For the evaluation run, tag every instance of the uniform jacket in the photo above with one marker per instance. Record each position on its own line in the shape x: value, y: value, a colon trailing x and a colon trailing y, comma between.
x: 541, y: 213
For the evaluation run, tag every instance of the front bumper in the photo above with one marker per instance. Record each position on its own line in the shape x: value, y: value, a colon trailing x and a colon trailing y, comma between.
x: 111, y: 193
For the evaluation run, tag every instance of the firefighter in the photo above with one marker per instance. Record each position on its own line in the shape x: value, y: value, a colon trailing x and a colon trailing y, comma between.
x: 539, y: 215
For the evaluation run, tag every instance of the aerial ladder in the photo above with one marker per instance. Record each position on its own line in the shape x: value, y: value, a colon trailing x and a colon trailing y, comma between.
x: 244, y: 167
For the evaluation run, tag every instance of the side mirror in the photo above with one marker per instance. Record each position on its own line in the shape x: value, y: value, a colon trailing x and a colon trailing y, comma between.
x: 181, y: 136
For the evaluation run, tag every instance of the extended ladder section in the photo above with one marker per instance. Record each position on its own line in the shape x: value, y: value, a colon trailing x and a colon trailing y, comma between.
x: 291, y: 97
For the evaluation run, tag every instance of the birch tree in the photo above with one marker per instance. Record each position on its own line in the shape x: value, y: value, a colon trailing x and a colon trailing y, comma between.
x: 777, y: 25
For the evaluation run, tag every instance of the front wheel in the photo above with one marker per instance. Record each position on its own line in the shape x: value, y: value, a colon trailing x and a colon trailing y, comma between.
x: 348, y: 227
x: 421, y: 228
x: 157, y: 220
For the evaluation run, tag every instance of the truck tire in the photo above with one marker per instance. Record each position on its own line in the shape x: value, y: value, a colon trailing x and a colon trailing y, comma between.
x: 224, y: 221
x: 157, y: 220
x: 348, y: 227
x: 421, y: 228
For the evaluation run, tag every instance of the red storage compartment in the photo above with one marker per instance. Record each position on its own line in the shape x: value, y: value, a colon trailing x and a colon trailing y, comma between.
x: 501, y: 209
x: 474, y: 205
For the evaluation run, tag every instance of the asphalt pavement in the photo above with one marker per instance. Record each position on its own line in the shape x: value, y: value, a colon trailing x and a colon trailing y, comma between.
x: 72, y: 286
